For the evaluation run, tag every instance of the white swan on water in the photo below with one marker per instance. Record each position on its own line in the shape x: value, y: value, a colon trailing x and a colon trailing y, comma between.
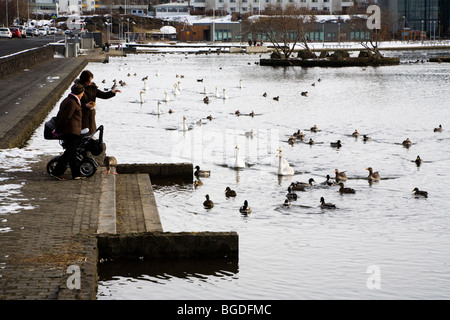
x: 166, y: 97
x: 284, y: 169
x: 159, y: 108
x: 217, y: 93
x: 225, y: 96
x: 185, y: 128
x: 141, y: 98
x: 145, y: 86
x: 238, y: 162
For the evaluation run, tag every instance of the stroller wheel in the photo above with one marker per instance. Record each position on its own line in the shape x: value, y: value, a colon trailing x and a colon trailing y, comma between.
x: 52, y: 164
x: 88, y: 167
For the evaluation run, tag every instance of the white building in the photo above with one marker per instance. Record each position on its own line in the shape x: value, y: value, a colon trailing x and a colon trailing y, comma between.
x: 62, y: 6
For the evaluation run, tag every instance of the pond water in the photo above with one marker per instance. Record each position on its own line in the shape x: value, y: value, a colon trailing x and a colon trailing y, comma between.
x: 380, y: 243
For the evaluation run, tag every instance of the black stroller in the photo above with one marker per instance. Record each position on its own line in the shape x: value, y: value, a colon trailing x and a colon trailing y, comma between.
x: 86, y: 164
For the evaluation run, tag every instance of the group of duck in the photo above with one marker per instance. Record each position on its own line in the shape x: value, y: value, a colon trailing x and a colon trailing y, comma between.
x: 245, y: 209
x: 341, y: 177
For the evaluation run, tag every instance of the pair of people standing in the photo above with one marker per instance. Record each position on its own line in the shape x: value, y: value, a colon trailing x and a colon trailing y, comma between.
x: 77, y: 112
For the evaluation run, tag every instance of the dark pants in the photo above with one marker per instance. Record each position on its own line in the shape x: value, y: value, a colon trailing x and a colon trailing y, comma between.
x: 71, y: 141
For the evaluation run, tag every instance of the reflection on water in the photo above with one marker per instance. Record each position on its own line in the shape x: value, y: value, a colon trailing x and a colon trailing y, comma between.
x: 303, y: 251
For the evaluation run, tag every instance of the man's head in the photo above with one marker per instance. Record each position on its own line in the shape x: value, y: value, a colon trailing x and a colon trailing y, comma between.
x: 77, y: 89
x: 86, y: 77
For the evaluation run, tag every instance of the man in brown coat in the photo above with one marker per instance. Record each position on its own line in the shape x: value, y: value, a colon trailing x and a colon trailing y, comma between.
x: 91, y: 92
x: 68, y: 124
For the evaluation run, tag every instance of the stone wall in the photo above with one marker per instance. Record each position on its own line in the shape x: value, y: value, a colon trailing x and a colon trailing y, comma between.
x: 25, y: 60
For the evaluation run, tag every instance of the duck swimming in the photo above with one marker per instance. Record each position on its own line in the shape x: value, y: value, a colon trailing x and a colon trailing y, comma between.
x: 208, y: 204
x: 286, y: 203
x: 340, y: 176
x: 299, y: 135
x: 342, y: 189
x: 197, y: 183
x: 229, y: 192
x: 373, y: 175
x: 303, y: 184
x: 291, y: 140
x: 366, y: 138
x: 336, y: 144
x: 418, y: 161
x: 314, y: 129
x: 245, y: 209
x: 291, y: 195
x: 418, y: 192
x: 311, y: 142
x: 326, y: 205
x: 201, y: 173
x: 328, y: 182
x: 355, y: 134
x: 438, y: 129
x: 406, y: 143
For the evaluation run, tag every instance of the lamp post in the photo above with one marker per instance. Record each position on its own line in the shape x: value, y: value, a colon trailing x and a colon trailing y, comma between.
x: 339, y: 33
x: 421, y: 33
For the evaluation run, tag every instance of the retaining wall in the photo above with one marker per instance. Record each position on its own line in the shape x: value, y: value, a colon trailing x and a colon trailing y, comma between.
x: 25, y: 60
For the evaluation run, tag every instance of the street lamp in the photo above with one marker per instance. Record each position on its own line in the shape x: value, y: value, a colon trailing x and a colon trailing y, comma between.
x: 339, y: 33
x: 421, y: 33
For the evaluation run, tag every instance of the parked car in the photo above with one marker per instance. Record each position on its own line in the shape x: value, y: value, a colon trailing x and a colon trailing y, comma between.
x: 5, y: 33
x: 32, y: 32
x: 52, y: 30
x: 43, y: 31
x: 23, y: 31
x: 15, y: 32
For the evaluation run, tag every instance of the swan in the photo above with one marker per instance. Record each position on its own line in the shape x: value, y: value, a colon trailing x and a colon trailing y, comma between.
x: 217, y: 93
x: 238, y: 162
x: 145, y: 86
x: 166, y: 97
x: 159, y: 108
x: 240, y: 84
x: 225, y: 96
x: 176, y: 91
x: 141, y: 98
x: 284, y: 169
x: 185, y: 128
x: 204, y: 90
x: 157, y: 73
x: 179, y: 86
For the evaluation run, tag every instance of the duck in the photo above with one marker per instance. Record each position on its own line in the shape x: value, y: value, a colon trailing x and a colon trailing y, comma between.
x: 311, y: 142
x: 238, y: 162
x: 304, y: 184
x: 291, y: 195
x: 418, y: 161
x: 237, y: 112
x: 296, y: 187
x: 336, y: 144
x: 291, y: 140
x: 438, y: 129
x: 229, y: 192
x: 366, y: 138
x: 328, y: 182
x: 206, y: 100
x: 422, y: 193
x: 265, y: 94
x: 304, y: 93
x: 340, y: 176
x: 252, y: 114
x: 342, y: 189
x: 287, y: 203
x: 198, y: 183
x: 326, y: 205
x: 298, y: 134
x: 110, y: 162
x: 373, y: 175
x: 208, y: 204
x: 355, y: 134
x: 249, y: 134
x: 170, y: 111
x: 210, y: 117
x: 406, y: 143
x: 201, y: 173
x: 284, y: 169
x: 277, y: 98
x: 245, y: 209
x: 314, y: 129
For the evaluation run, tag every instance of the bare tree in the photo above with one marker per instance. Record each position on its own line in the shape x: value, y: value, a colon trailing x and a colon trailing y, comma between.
x: 284, y: 27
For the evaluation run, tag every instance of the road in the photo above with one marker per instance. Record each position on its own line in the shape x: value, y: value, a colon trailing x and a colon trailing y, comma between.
x: 10, y: 46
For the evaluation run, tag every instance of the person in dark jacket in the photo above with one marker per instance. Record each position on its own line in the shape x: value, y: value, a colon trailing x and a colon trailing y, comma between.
x: 91, y: 92
x: 68, y: 124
